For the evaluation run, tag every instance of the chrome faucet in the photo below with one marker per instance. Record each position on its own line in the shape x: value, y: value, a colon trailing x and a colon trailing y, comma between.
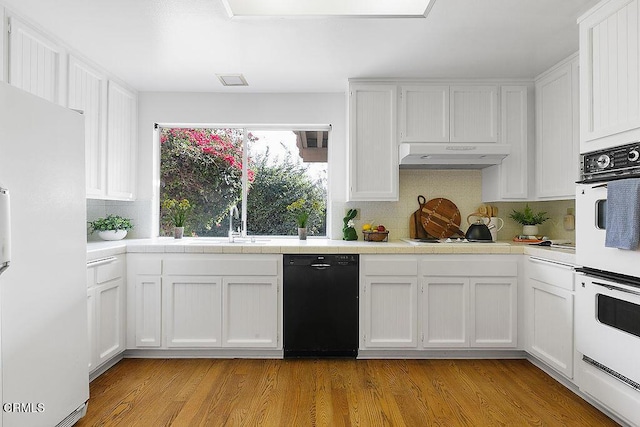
x: 233, y: 212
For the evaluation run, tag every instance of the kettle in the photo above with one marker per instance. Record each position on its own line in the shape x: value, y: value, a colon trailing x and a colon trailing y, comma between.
x: 478, y: 231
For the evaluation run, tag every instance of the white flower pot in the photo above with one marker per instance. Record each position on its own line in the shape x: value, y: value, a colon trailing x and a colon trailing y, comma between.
x: 530, y: 230
x: 112, y: 234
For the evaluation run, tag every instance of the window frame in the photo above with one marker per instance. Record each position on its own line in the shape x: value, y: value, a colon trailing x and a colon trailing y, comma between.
x: 246, y: 128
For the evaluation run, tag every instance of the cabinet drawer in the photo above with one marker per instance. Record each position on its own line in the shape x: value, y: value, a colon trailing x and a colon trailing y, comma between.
x: 469, y: 268
x: 245, y: 265
x: 553, y: 273
x: 389, y: 266
x: 109, y: 271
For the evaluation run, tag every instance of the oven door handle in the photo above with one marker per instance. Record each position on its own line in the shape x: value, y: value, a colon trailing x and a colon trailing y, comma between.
x: 616, y: 288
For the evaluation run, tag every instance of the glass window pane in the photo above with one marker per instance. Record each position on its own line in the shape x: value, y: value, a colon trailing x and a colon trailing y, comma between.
x: 203, y: 166
x: 289, y: 172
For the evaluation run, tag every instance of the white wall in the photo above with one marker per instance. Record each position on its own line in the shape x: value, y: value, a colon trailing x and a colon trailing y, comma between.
x: 255, y: 108
x: 463, y: 187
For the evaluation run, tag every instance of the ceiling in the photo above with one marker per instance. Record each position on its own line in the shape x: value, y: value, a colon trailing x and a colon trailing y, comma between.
x: 180, y: 45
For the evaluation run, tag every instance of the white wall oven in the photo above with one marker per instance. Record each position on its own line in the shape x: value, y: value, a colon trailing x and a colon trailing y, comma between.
x: 608, y: 281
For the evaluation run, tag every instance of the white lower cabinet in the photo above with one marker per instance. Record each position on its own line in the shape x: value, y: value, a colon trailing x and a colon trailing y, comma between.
x: 144, y: 301
x: 469, y: 311
x: 91, y: 308
x: 550, y: 299
x: 447, y: 311
x: 390, y: 312
x: 250, y: 311
x: 494, y: 312
x: 199, y: 301
x: 445, y: 314
x: 388, y: 301
x: 105, y: 308
x: 192, y: 311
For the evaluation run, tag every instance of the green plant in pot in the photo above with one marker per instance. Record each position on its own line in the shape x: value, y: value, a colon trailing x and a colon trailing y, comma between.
x: 301, y: 210
x: 529, y: 220
x: 111, y: 227
x: 177, y: 210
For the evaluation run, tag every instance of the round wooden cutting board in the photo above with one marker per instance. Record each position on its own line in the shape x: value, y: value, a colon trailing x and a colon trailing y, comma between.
x: 440, y: 218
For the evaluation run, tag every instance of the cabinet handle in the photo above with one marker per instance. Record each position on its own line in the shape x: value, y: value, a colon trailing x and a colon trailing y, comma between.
x: 101, y: 261
x: 551, y: 263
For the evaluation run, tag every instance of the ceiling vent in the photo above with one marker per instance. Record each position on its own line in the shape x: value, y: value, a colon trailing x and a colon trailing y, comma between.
x: 232, y: 79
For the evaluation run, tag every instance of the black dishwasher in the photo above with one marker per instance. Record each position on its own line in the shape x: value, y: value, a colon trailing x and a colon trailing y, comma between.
x: 320, y: 305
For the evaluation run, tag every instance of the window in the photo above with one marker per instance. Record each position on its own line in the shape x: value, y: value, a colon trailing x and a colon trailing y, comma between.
x: 217, y: 168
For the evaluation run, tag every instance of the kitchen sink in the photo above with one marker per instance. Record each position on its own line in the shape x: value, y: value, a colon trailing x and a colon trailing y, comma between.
x: 225, y: 241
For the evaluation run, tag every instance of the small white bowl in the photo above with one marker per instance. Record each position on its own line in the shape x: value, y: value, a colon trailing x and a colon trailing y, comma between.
x: 112, y: 234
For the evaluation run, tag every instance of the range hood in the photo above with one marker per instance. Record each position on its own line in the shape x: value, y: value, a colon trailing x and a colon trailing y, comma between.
x: 425, y: 155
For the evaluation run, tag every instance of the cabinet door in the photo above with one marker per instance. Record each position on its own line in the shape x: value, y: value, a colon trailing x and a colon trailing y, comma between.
x: 87, y: 89
x: 91, y: 327
x: 494, y: 312
x: 192, y: 312
x: 373, y: 150
x: 109, y: 313
x: 121, y: 137
x: 250, y: 312
x: 609, y: 74
x: 511, y: 179
x: 148, y: 311
x: 390, y: 312
x: 474, y: 114
x: 551, y: 327
x: 445, y: 308
x: 557, y: 157
x: 424, y: 116
x: 35, y: 62
x: 514, y: 169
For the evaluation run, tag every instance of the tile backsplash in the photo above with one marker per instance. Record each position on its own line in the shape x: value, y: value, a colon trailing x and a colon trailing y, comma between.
x: 552, y: 228
x: 139, y: 212
x: 462, y: 187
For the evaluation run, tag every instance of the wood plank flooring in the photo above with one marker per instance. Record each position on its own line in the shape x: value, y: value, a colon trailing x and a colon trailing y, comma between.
x: 333, y: 392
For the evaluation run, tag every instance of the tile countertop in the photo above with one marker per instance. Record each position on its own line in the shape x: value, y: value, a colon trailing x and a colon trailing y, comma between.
x: 97, y: 250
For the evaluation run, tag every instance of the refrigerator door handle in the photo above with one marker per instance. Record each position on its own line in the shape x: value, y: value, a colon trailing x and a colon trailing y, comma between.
x: 5, y: 230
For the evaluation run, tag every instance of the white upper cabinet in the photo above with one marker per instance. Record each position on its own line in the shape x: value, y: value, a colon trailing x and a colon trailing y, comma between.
x: 513, y: 177
x: 3, y: 44
x: 474, y: 114
x: 557, y: 143
x: 122, y: 116
x: 609, y: 75
x: 35, y: 62
x: 373, y: 150
x: 424, y: 113
x: 87, y: 92
x: 44, y: 67
x: 433, y: 113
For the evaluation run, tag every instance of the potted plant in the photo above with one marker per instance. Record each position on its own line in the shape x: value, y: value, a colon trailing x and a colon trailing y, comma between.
x: 112, y: 227
x: 301, y: 213
x: 529, y: 220
x: 178, y: 211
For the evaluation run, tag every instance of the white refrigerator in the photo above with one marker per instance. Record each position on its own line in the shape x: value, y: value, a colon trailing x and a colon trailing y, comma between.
x: 43, y: 309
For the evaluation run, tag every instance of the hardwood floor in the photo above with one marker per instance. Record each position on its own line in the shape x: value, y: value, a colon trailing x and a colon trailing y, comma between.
x: 333, y: 392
